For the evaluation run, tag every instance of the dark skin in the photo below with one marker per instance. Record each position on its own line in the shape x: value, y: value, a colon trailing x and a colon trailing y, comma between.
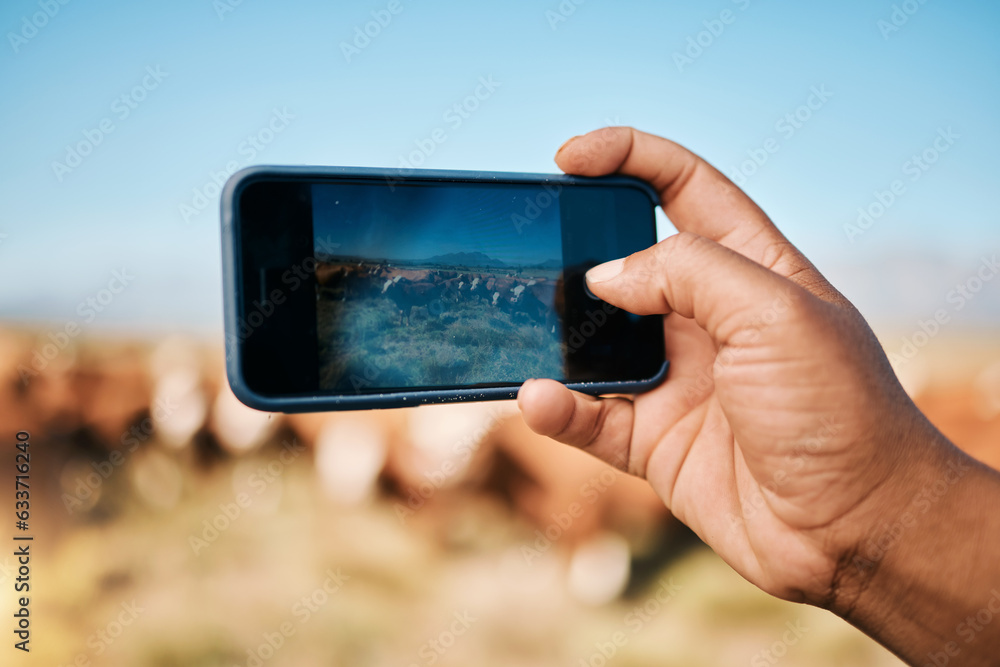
x: 782, y: 436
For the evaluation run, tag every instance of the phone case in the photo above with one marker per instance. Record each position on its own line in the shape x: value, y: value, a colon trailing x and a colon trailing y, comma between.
x: 320, y: 403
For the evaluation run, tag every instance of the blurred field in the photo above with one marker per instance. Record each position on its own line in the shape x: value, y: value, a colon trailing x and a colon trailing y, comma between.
x: 173, y: 526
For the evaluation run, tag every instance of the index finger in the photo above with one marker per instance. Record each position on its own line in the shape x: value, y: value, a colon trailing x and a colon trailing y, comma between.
x: 695, y: 196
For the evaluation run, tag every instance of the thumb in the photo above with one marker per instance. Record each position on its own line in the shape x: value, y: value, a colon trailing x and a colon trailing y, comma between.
x: 723, y: 291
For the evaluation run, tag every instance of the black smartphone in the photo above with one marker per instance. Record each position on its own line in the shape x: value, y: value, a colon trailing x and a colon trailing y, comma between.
x: 349, y: 288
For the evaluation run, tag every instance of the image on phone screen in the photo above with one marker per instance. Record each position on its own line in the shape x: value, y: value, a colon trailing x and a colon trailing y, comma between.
x: 442, y: 285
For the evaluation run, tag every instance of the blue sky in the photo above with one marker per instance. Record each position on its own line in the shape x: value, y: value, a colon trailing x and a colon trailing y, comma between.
x: 414, y: 223
x: 269, y: 83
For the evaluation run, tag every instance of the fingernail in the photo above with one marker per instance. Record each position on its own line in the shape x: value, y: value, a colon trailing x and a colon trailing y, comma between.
x: 604, y: 272
x: 568, y: 142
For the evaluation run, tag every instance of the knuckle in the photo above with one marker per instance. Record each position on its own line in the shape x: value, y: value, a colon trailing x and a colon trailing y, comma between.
x: 681, y: 242
x: 778, y: 253
x: 783, y: 307
x: 677, y: 248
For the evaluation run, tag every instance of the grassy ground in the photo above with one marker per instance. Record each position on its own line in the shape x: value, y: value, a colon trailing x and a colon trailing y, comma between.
x: 327, y: 585
x: 446, y: 344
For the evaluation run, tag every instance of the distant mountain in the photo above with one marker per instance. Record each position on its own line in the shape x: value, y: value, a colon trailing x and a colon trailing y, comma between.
x: 478, y: 259
x: 466, y: 259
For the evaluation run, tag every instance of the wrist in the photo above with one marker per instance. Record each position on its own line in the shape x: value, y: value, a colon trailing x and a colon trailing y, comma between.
x: 924, y: 554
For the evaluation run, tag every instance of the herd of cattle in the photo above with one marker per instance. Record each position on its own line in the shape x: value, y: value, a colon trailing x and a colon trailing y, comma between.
x: 423, y: 292
x: 109, y: 416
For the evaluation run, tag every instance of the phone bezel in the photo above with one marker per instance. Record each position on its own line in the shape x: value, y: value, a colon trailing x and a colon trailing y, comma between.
x: 233, y: 290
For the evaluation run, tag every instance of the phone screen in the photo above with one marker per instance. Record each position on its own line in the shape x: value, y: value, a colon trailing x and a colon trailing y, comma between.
x: 439, y: 284
x: 408, y: 285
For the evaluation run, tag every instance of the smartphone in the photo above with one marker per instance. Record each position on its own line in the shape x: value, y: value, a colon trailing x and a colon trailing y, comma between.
x: 355, y: 288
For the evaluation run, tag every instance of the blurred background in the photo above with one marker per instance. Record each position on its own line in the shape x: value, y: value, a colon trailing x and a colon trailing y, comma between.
x: 173, y: 526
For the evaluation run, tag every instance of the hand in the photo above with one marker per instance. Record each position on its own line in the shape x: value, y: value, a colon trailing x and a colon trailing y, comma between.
x: 781, y: 435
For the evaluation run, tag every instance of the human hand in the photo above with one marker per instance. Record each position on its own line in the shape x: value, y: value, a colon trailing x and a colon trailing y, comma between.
x: 781, y: 435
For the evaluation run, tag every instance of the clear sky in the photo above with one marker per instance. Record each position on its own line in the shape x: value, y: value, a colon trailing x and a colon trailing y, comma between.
x: 117, y: 117
x: 414, y: 223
